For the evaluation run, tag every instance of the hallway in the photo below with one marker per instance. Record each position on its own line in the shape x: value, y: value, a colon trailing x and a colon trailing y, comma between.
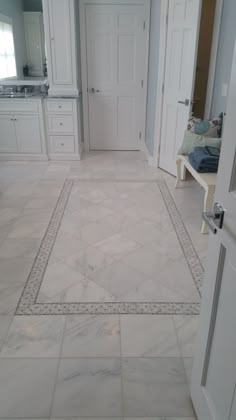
x: 101, y: 266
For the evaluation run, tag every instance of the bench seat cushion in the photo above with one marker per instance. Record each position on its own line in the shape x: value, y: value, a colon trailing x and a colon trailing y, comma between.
x: 192, y: 140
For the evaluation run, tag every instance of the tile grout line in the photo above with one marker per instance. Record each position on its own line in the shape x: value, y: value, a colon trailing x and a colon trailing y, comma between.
x: 58, y: 367
x: 180, y: 350
x: 121, y: 372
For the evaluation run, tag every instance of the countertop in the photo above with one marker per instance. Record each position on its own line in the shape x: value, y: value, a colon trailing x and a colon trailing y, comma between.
x: 40, y: 96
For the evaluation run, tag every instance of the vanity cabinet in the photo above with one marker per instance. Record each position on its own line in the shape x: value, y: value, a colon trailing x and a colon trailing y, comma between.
x: 8, y: 141
x: 60, y: 35
x: 22, y: 129
x: 63, y: 128
x: 28, y: 133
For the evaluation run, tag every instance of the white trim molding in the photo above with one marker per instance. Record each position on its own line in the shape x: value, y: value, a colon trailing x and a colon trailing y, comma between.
x: 160, y: 81
x: 149, y: 157
x: 213, y: 59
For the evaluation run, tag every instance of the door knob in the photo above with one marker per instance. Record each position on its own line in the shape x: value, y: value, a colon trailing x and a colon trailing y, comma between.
x: 92, y: 90
x: 215, y: 218
x: 185, y: 102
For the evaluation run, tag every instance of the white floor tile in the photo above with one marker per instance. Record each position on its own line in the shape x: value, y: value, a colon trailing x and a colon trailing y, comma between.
x: 155, y: 387
x: 34, y: 336
x: 92, y: 336
x: 186, y: 329
x: 148, y: 336
x: 88, y: 387
x: 4, y: 325
x: 28, y: 387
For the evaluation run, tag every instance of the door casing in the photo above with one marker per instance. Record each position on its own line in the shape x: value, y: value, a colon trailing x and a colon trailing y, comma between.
x: 161, y: 70
x: 83, y: 52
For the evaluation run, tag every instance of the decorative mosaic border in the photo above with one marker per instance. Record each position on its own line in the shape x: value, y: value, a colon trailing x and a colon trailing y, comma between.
x: 189, y: 251
x: 28, y: 302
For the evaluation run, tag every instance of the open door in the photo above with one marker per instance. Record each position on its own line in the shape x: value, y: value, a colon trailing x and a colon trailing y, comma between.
x: 213, y: 386
x: 181, y: 52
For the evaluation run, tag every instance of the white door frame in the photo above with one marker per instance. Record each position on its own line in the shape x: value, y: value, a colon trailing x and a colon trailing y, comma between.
x: 161, y: 71
x: 83, y: 52
x: 214, y: 51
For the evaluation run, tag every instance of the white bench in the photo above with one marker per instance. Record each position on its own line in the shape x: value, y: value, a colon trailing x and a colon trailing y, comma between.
x: 206, y: 180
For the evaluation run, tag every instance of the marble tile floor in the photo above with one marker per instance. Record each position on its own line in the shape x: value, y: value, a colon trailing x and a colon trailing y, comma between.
x: 88, y: 366
x: 112, y: 242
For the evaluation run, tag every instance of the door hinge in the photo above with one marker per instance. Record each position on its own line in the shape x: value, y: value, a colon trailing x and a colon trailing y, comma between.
x: 163, y: 88
x: 167, y: 19
x: 142, y: 83
x: 144, y: 25
x: 140, y: 135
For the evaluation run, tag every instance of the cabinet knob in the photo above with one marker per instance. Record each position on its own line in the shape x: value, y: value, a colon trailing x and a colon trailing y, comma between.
x: 62, y: 144
x: 59, y: 106
x: 61, y: 123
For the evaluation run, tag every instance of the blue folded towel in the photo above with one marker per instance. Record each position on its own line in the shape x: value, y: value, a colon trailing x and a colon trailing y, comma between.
x: 204, y: 159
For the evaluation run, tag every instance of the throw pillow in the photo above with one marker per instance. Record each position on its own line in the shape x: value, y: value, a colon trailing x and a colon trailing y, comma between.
x: 192, y: 140
x: 208, y: 128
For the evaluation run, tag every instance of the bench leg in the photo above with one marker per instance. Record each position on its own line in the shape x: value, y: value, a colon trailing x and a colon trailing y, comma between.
x: 183, y: 172
x: 178, y: 180
x: 208, y: 204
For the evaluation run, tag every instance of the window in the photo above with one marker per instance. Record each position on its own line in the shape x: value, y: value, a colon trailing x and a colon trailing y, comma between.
x: 7, y: 50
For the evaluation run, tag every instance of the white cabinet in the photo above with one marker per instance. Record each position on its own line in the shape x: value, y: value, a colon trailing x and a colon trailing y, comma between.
x: 62, y: 144
x: 22, y: 129
x: 28, y: 133
x: 61, y: 124
x: 35, y: 42
x: 63, y: 128
x: 60, y: 35
x: 8, y: 142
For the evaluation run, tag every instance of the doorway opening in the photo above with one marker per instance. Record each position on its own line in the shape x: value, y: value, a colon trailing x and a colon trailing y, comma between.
x: 190, y: 43
x: 207, y: 21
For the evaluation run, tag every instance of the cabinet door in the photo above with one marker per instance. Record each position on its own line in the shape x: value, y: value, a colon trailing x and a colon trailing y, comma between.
x: 28, y: 133
x: 8, y: 141
x: 34, y: 39
x: 61, y: 48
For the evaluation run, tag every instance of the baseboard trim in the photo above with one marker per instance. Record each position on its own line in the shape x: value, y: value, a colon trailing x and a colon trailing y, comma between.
x: 64, y: 157
x: 23, y: 157
x: 150, y: 158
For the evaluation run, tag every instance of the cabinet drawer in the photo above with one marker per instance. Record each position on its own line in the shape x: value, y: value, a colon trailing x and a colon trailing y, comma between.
x: 62, y: 144
x: 20, y: 105
x: 57, y: 106
x: 60, y: 124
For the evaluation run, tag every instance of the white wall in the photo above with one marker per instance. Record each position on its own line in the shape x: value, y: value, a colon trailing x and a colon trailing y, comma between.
x: 33, y: 5
x: 14, y: 10
x: 225, y: 55
x: 153, y: 73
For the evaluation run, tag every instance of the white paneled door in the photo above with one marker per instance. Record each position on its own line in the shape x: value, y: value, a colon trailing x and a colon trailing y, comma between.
x: 214, y: 373
x: 116, y: 72
x: 181, y: 49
